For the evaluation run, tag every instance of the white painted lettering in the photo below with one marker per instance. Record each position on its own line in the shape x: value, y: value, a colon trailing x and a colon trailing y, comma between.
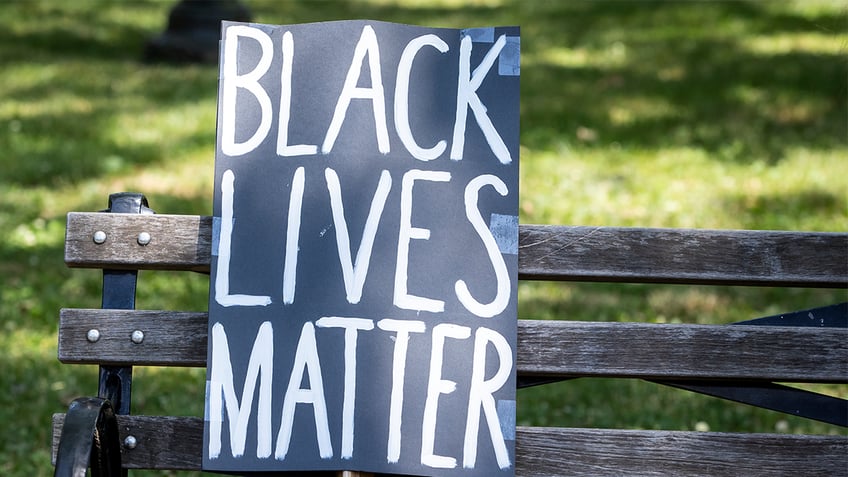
x: 367, y: 45
x: 402, y: 299
x: 305, y: 361
x: 466, y: 96
x: 222, y: 270
x: 501, y: 300
x: 403, y: 329
x: 481, y: 397
x: 293, y: 236
x: 352, y: 326
x: 283, y: 147
x: 221, y: 388
x: 354, y: 274
x: 435, y: 387
x: 404, y: 69
x: 232, y: 81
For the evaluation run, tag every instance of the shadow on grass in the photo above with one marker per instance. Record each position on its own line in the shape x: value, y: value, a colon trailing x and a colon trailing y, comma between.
x: 35, y: 386
x: 774, y: 210
x: 81, y: 34
x: 73, y: 80
x: 84, y: 140
x: 655, y: 75
x: 679, y: 74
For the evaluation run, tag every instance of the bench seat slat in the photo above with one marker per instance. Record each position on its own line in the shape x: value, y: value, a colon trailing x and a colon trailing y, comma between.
x: 176, y: 443
x: 614, y: 254
x: 545, y: 348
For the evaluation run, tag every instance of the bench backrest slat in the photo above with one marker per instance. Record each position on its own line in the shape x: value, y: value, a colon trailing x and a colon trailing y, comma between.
x: 178, y: 242
x: 545, y: 348
x: 171, y: 338
x: 639, y: 255
x: 614, y: 254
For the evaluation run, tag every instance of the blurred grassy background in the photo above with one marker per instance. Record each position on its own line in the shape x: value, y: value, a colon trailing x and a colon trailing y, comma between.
x: 635, y: 113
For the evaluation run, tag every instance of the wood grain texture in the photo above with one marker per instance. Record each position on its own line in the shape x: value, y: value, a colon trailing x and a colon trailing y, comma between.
x: 170, y: 338
x: 175, y: 443
x: 695, y: 353
x: 178, y: 242
x: 544, y: 348
x: 600, y: 452
x: 671, y: 351
x: 740, y: 257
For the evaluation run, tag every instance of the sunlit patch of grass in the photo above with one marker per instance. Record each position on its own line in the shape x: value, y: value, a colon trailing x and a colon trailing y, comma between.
x: 684, y: 187
x: 172, y: 181
x: 636, y: 109
x: 37, y: 233
x: 664, y: 303
x: 171, y: 132
x: 822, y: 43
x: 785, y: 107
x: 605, y: 57
x: 449, y: 4
x: 809, y: 9
x: 835, y: 390
x: 169, y: 391
x: 25, y: 342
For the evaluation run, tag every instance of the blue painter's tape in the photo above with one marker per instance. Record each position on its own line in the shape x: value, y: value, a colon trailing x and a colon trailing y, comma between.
x: 479, y: 35
x: 504, y: 229
x: 509, y: 60
x: 216, y: 235
x: 206, y: 407
x: 267, y: 29
x: 506, y: 416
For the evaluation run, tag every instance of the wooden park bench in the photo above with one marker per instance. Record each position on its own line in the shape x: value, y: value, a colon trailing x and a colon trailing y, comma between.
x: 741, y: 362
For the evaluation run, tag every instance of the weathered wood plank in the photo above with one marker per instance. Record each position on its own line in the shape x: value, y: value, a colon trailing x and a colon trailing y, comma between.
x: 164, y: 442
x: 545, y: 348
x: 170, y: 338
x: 178, y: 242
x: 740, y: 257
x: 595, y: 452
x: 176, y: 443
x: 671, y: 351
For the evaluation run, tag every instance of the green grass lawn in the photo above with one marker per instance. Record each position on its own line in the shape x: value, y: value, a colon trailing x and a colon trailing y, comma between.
x: 634, y: 113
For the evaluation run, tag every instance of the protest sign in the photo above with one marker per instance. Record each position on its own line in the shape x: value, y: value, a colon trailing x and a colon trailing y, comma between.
x: 362, y: 314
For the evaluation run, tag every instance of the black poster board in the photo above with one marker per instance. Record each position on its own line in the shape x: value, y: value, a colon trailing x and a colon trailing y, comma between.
x: 362, y: 314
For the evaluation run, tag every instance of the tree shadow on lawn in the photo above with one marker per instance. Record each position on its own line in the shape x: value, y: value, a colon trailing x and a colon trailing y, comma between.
x: 681, y: 82
x: 35, y: 386
x: 71, y: 78
x: 679, y: 85
x: 686, y: 66
x: 781, y: 210
x: 70, y: 130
